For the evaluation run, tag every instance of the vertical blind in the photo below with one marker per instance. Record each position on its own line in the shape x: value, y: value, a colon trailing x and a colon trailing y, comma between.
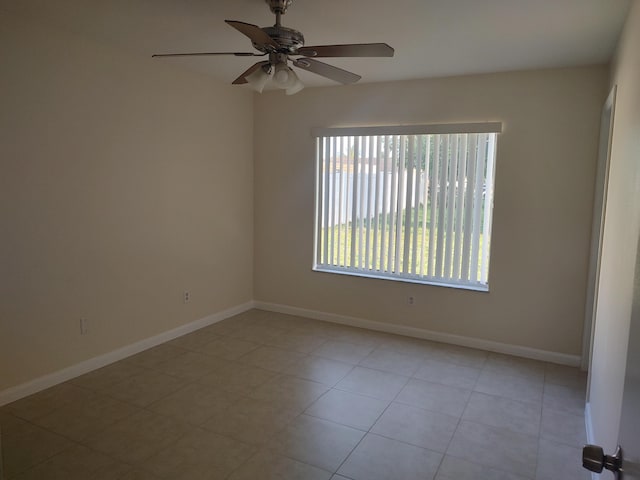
x: 395, y: 202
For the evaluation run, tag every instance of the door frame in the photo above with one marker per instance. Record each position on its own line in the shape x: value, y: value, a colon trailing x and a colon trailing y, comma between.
x: 597, y: 227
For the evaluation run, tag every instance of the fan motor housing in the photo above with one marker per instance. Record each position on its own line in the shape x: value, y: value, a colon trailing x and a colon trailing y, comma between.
x: 279, y: 6
x: 290, y: 40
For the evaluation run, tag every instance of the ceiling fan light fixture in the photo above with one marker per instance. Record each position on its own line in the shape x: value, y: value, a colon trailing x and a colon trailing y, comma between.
x: 297, y: 86
x: 284, y: 77
x: 259, y: 79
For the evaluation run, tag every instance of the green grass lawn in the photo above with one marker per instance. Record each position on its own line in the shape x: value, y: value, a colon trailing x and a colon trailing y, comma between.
x: 340, y: 238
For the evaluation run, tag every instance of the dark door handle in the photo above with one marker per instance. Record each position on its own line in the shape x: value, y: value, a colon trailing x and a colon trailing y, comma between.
x: 594, y: 459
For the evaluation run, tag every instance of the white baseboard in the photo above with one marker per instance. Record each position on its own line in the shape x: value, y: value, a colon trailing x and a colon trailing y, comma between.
x: 19, y: 391
x: 517, y: 350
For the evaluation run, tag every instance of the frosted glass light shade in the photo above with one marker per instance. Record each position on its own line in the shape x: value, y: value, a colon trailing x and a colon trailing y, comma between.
x: 296, y: 87
x: 284, y: 77
x: 258, y: 79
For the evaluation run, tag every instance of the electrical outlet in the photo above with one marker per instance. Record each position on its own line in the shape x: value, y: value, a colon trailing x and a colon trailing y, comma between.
x: 84, y: 326
x: 186, y: 297
x: 410, y: 300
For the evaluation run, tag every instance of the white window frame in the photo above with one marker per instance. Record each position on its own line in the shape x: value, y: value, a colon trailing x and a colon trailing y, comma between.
x: 407, y: 264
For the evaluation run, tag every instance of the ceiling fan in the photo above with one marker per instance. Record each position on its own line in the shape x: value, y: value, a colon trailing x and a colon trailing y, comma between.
x: 281, y: 43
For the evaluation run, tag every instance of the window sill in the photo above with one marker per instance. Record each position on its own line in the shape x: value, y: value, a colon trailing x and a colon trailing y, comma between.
x: 421, y: 281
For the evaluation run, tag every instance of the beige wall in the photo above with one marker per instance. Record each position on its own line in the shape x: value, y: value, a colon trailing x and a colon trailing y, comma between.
x: 620, y: 242
x: 543, y: 200
x: 123, y: 182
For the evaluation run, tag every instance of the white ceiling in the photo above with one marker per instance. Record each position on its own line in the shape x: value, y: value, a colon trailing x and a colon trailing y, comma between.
x: 431, y: 38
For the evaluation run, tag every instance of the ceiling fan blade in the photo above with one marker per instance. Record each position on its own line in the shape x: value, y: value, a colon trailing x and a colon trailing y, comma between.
x: 254, y: 32
x: 348, y: 50
x: 243, y: 78
x: 329, y: 71
x: 204, y: 54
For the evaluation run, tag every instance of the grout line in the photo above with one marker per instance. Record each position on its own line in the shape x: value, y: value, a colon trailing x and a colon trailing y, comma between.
x: 39, y: 427
x: 372, y: 425
x: 459, y: 421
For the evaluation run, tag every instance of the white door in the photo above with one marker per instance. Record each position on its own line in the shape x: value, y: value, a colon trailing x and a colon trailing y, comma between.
x: 630, y: 418
x: 629, y: 426
x: 613, y: 410
x: 625, y: 463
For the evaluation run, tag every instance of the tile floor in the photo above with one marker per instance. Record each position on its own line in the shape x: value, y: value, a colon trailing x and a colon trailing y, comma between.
x: 270, y: 396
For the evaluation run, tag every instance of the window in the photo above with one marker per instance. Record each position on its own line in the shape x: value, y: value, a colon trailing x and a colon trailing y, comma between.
x: 409, y: 203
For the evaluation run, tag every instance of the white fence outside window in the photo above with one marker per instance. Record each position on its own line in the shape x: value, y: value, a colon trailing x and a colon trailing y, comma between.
x: 406, y: 203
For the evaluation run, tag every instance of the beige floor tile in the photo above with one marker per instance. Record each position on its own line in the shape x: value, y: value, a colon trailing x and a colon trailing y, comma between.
x: 342, y: 351
x: 562, y: 427
x: 151, y: 357
x: 320, y: 369
x: 238, y: 378
x: 24, y: 445
x: 448, y: 374
x: 138, y: 437
x: 46, y: 401
x: 392, y: 361
x: 242, y: 408
x: 556, y: 460
x: 468, y: 357
x: 138, y: 474
x: 435, y: 397
x: 272, y: 358
x: 194, y: 403
x: 502, y: 412
x: 318, y: 327
x: 228, y: 348
x: 564, y: 399
x: 409, y: 346
x: 515, y: 366
x: 347, y: 408
x: 316, y: 442
x: 374, y: 383
x: 284, y: 321
x: 79, y: 420
x: 568, y: 376
x: 251, y: 421
x: 297, y: 341
x: 289, y: 392
x: 361, y: 336
x: 267, y: 465
x: 199, y: 455
x: 513, y: 387
x: 490, y: 446
x: 261, y: 334
x: 145, y: 388
x: 76, y: 463
x: 453, y: 468
x: 416, y: 426
x: 379, y: 458
x: 105, y: 377
x: 190, y: 366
